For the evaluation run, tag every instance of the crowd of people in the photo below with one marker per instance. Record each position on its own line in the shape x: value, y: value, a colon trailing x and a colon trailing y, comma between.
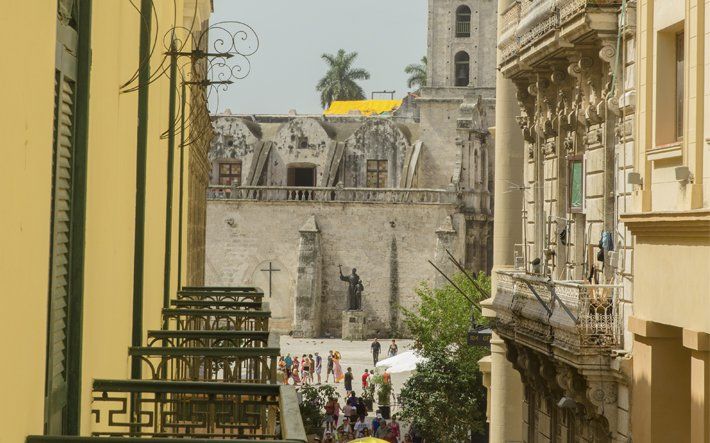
x: 354, y: 422
x: 309, y: 368
x: 348, y: 421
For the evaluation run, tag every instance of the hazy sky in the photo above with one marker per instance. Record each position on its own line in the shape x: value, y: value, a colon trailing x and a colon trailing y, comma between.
x: 388, y: 35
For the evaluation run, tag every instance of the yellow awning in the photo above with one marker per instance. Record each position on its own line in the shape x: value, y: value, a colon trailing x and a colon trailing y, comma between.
x: 364, y: 107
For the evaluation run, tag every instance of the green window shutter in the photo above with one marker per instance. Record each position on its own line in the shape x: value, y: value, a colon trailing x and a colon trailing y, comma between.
x: 60, y: 252
x: 576, y: 185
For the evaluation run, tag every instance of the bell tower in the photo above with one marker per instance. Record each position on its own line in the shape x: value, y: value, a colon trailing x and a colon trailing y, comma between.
x: 461, y: 43
x: 456, y: 110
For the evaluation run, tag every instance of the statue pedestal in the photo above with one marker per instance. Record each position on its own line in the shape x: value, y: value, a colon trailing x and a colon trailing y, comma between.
x: 354, y: 325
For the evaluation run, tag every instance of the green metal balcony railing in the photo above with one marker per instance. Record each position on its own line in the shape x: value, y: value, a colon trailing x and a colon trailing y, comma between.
x: 212, y: 373
x: 221, y: 304
x: 75, y: 439
x: 237, y: 339
x: 216, y: 319
x: 140, y: 408
x: 241, y: 294
x: 218, y: 362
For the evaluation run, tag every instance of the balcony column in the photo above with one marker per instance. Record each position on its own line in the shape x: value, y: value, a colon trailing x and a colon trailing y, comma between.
x: 506, y: 391
x: 661, y: 383
x: 505, y: 401
x: 699, y: 345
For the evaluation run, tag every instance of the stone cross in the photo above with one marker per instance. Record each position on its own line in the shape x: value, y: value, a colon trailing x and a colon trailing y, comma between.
x: 271, y: 271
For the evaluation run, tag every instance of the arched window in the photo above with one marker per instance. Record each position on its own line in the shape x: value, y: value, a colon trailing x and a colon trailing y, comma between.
x: 463, y: 21
x: 461, y: 70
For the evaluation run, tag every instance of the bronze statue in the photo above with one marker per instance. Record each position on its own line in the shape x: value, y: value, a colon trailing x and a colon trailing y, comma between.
x: 355, y: 289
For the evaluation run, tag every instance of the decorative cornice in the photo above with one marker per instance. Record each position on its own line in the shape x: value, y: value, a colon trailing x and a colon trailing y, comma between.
x: 680, y: 224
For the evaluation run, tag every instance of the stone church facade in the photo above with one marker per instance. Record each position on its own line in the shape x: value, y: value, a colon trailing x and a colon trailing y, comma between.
x: 292, y: 197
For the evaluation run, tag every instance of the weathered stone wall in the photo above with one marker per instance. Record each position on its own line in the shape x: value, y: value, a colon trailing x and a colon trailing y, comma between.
x: 377, y: 139
x: 301, y: 142
x: 235, y: 139
x: 389, y: 244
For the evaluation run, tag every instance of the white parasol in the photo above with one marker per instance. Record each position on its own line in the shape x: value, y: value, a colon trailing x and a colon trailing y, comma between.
x: 404, y: 362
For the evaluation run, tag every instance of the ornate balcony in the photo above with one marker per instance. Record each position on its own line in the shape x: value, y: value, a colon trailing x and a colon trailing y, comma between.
x: 209, y: 374
x: 237, y: 339
x: 571, y: 320
x: 535, y: 29
x: 220, y: 364
x: 184, y: 319
x: 216, y: 360
x: 142, y: 408
x: 217, y: 294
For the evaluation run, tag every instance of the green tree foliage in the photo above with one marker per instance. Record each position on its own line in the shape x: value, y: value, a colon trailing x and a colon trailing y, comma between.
x: 340, y: 81
x: 445, y: 398
x: 313, y: 400
x: 417, y: 73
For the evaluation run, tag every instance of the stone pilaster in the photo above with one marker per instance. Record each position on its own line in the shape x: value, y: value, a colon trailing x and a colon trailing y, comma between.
x: 307, y: 312
x: 445, y: 240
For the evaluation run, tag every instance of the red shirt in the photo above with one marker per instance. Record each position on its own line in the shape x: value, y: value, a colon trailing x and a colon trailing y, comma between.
x: 364, y: 379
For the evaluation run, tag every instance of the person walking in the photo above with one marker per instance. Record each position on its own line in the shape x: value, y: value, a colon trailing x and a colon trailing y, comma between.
x: 337, y: 369
x: 382, y: 429
x: 394, y: 430
x: 329, y: 368
x: 365, y: 377
x: 319, y: 366
x: 304, y: 369
x: 296, y: 378
x: 296, y: 365
x: 347, y: 412
x: 289, y: 362
x: 360, y: 427
x: 332, y: 409
x: 282, y: 370
x: 349, y: 380
x: 361, y: 409
x: 311, y: 367
x: 393, y: 349
x: 375, y: 347
x: 376, y: 423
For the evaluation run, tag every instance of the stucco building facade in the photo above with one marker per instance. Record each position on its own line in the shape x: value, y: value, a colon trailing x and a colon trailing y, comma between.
x: 380, y: 193
x: 600, y: 303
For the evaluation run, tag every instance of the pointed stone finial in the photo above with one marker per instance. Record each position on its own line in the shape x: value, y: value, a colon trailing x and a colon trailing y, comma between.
x: 310, y: 225
x: 447, y: 227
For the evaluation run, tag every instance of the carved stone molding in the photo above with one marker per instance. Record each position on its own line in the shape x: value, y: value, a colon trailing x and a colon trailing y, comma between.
x: 603, y: 395
x: 608, y: 52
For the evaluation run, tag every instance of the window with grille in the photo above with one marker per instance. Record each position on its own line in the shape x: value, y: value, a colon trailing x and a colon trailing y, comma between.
x: 230, y: 174
x: 377, y: 173
x: 463, y: 21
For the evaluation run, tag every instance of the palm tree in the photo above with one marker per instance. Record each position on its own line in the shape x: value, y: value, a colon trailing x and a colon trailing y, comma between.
x: 339, y: 82
x: 417, y: 73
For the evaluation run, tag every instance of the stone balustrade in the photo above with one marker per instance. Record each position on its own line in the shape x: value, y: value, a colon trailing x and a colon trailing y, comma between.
x: 338, y: 194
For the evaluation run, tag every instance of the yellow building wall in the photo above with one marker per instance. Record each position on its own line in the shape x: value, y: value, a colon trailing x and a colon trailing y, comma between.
x: 672, y: 285
x: 26, y: 120
x: 671, y: 227
x: 26, y: 114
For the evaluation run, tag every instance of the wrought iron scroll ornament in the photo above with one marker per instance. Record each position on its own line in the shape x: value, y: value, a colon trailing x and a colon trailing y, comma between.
x: 207, y: 62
